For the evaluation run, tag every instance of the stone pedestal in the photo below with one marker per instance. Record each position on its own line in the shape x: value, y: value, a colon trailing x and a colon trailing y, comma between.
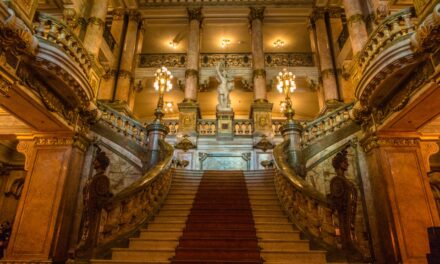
x: 261, y: 114
x: 45, y: 211
x: 225, y: 124
x: 189, y: 114
x: 404, y: 207
x: 292, y: 131
x: 156, y: 131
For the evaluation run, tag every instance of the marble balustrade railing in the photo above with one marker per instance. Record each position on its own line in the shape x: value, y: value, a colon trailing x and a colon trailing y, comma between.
x: 326, y: 125
x: 207, y: 127
x: 123, y: 124
x: 393, y: 29
x: 173, y: 126
x: 58, y: 33
x: 243, y: 127
x: 308, y: 208
x: 117, y: 217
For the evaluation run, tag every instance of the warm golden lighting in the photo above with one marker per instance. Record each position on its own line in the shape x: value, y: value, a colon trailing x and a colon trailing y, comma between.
x: 169, y: 106
x: 278, y: 43
x: 282, y: 106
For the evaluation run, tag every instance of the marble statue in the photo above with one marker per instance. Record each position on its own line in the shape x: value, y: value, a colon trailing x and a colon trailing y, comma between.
x: 224, y: 88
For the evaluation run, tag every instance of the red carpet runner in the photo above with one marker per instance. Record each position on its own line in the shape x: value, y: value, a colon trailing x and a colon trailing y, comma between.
x: 220, y: 227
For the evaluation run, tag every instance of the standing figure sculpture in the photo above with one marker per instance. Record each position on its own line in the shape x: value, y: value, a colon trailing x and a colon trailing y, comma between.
x: 224, y: 88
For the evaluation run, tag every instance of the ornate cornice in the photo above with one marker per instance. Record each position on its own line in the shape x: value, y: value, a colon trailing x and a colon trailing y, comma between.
x: 374, y: 141
x: 256, y: 13
x: 195, y: 14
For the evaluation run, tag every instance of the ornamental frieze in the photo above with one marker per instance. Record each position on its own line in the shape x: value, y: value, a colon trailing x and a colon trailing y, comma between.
x: 150, y: 3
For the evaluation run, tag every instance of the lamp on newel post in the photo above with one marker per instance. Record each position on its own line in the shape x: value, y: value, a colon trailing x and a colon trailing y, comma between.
x: 291, y: 129
x: 157, y: 131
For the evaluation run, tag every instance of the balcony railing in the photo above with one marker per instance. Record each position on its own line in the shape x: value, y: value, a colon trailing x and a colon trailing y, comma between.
x: 207, y: 127
x: 243, y: 127
x: 239, y: 60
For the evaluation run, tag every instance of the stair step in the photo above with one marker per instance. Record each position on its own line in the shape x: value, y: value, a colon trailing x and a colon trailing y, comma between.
x: 111, y: 261
x: 139, y: 243
x: 250, y: 254
x: 272, y: 227
x: 281, y: 245
x: 142, y: 254
x: 278, y: 235
x: 149, y: 234
x: 294, y: 257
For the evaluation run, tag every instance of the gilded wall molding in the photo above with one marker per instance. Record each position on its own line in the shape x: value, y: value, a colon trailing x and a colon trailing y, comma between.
x: 96, y: 21
x: 175, y: 60
x: 374, y: 141
x: 185, y: 3
x: 428, y: 148
x: 427, y: 35
x: 5, y: 86
x: 134, y: 15
x: 118, y: 14
x: 26, y: 148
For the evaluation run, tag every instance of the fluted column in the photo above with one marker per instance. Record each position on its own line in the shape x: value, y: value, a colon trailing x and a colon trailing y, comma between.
x: 107, y: 85
x: 192, y: 70
x: 330, y: 87
x: 125, y: 75
x: 95, y: 27
x: 259, y: 75
x: 356, y: 24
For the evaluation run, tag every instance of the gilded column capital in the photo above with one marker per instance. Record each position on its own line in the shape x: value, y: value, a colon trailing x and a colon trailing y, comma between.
x: 335, y: 12
x: 195, y: 14
x: 191, y: 73
x: 96, y: 21
x: 134, y: 15
x: 318, y: 13
x: 355, y: 19
x: 259, y: 73
x: 71, y: 17
x: 118, y: 14
x: 256, y: 13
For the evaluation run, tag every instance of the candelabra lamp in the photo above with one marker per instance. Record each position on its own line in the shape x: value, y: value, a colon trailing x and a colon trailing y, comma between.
x: 156, y: 131
x: 291, y: 129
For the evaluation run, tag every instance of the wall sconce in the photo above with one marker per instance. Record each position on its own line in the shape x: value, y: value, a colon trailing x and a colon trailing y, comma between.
x: 168, y: 108
x: 283, y: 106
x: 173, y: 44
x: 278, y: 43
x: 225, y: 42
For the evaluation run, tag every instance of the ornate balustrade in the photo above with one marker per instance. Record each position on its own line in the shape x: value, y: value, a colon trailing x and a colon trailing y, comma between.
x: 243, y: 127
x: 308, y: 208
x: 276, y: 125
x: 326, y: 125
x: 61, y: 55
x: 237, y: 60
x: 207, y: 127
x: 386, y: 52
x: 119, y: 216
x: 123, y: 125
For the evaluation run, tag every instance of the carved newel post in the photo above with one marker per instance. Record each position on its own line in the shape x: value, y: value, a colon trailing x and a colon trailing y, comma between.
x: 95, y: 193
x: 291, y: 129
x: 156, y: 131
x: 344, y: 196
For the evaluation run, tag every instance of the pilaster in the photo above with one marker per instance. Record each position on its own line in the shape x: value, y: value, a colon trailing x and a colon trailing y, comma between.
x: 95, y: 27
x: 42, y: 224
x: 256, y: 16
x: 403, y: 201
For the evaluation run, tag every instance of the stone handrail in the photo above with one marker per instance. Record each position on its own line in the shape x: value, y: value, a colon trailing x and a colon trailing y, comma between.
x: 391, y: 30
x: 243, y: 127
x: 130, y: 209
x: 309, y: 209
x: 326, y: 124
x: 123, y: 124
x: 207, y: 127
x: 58, y: 33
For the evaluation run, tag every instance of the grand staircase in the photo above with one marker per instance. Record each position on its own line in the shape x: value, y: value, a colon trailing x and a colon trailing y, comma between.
x: 219, y: 217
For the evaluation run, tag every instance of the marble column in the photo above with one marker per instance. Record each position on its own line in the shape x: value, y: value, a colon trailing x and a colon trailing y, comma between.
x: 312, y: 34
x: 259, y: 75
x: 107, y: 85
x: 124, y: 90
x: 139, y: 44
x: 356, y: 24
x: 95, y: 27
x: 403, y: 204
x: 330, y: 86
x: 192, y: 70
x: 189, y: 111
x: 261, y: 109
x: 41, y: 229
